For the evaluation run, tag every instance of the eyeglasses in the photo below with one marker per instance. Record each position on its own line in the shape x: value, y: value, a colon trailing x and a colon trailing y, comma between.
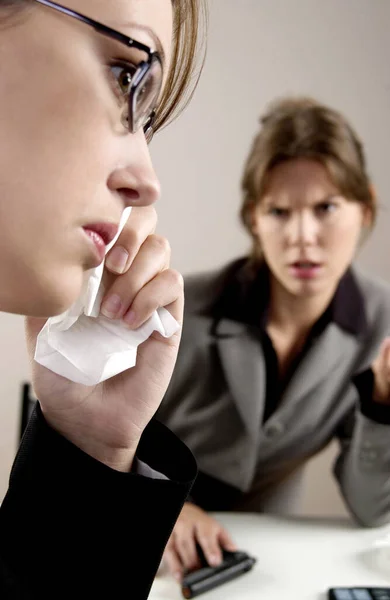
x: 143, y: 85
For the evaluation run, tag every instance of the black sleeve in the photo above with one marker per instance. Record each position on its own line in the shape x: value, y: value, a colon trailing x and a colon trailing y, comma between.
x: 214, y: 495
x: 71, y: 527
x: 364, y: 383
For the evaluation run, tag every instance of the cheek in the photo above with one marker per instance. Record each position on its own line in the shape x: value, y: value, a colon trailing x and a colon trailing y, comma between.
x: 67, y: 103
x: 60, y: 153
x: 344, y: 234
x: 54, y: 171
x: 270, y: 236
x: 341, y: 245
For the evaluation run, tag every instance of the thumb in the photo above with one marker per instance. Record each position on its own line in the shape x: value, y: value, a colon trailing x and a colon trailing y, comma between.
x: 381, y: 370
x: 381, y: 361
x: 386, y: 360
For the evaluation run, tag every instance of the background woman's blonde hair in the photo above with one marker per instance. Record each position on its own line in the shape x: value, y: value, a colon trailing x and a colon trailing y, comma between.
x: 304, y: 128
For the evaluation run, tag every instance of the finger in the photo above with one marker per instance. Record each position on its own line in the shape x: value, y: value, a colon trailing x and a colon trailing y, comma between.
x: 140, y: 224
x: 176, y: 308
x: 380, y: 364
x: 152, y: 258
x: 209, y: 542
x: 386, y: 358
x: 385, y: 346
x: 185, y: 546
x: 150, y: 357
x: 381, y: 370
x: 226, y: 541
x: 173, y: 562
x: 163, y: 291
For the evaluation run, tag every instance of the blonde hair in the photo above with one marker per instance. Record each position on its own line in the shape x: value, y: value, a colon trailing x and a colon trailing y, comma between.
x: 304, y: 128
x: 190, y: 21
x: 189, y: 40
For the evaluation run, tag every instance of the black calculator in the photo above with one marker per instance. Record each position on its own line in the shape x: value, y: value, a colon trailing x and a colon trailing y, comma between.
x: 207, y: 578
x: 359, y: 593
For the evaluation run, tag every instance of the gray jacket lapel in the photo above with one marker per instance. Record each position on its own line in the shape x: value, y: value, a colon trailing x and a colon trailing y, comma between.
x: 326, y: 354
x: 244, y: 368
x: 243, y: 364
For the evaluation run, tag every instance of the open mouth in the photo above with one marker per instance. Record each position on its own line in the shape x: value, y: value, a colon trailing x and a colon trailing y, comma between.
x: 305, y: 269
x: 305, y: 264
x: 101, y: 235
x: 105, y: 231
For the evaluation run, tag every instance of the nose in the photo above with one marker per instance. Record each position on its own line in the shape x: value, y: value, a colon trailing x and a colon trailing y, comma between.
x: 302, y: 229
x: 135, y: 179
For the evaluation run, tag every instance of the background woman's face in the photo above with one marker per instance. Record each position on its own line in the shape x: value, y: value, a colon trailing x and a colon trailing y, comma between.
x: 66, y: 161
x: 307, y: 231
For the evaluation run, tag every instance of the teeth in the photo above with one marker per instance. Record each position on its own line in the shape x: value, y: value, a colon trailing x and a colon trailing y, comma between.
x: 94, y: 236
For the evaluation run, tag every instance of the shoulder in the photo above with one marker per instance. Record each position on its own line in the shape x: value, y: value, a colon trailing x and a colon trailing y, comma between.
x: 202, y: 290
x: 376, y: 297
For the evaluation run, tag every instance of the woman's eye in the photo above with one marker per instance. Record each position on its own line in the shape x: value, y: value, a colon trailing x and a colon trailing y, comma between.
x: 278, y: 212
x: 325, y: 208
x: 123, y: 75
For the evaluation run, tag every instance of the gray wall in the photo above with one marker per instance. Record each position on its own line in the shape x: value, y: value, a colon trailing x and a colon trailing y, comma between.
x: 337, y: 51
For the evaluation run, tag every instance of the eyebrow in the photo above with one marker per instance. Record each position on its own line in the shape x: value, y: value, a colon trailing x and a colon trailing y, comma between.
x: 329, y: 197
x: 268, y: 201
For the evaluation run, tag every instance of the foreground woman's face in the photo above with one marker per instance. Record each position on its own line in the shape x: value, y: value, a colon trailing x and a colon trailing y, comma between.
x: 67, y: 163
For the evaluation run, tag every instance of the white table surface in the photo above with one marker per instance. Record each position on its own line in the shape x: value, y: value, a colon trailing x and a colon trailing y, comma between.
x: 297, y: 559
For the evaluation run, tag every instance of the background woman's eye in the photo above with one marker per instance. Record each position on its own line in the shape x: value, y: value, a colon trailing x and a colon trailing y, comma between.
x: 278, y: 212
x: 123, y: 76
x: 325, y: 208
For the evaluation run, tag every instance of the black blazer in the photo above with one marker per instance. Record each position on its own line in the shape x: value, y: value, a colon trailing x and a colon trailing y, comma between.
x: 71, y: 528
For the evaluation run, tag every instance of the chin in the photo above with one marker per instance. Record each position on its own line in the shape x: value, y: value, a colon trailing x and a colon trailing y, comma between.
x: 309, y: 289
x: 52, y: 296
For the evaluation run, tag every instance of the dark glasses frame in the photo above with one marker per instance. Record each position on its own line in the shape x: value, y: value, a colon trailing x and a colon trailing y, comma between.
x: 141, y: 70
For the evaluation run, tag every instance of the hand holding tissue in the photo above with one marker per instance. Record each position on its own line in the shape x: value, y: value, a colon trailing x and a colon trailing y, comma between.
x: 88, y: 348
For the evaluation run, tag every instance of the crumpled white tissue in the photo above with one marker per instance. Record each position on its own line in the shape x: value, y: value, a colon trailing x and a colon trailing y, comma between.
x: 88, y: 348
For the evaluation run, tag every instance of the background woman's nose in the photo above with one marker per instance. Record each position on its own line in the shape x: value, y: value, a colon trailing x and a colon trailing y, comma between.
x: 303, y: 228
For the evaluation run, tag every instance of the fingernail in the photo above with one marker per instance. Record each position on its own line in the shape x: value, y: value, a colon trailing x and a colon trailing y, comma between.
x: 214, y: 560
x: 130, y: 318
x: 111, y: 306
x: 177, y: 576
x: 117, y: 259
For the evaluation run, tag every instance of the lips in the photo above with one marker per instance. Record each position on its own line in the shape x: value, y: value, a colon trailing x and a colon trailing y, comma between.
x: 101, y: 234
x: 305, y: 269
x: 107, y: 231
x: 305, y: 264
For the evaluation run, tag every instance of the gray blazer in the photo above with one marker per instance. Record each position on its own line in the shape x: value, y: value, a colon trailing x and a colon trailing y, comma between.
x: 216, y: 399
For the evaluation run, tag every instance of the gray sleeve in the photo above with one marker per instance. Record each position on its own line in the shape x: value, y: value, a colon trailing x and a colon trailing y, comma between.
x: 363, y: 468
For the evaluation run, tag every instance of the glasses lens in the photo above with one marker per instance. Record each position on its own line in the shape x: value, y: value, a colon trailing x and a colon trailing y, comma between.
x: 146, y: 94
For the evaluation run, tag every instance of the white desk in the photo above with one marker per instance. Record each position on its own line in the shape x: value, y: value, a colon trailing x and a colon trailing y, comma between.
x: 298, y: 559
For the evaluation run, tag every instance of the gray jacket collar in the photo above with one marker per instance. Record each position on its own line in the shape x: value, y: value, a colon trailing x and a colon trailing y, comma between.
x: 334, y: 337
x: 244, y: 300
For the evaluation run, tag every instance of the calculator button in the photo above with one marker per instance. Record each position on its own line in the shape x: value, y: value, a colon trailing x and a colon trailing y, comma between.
x: 341, y: 594
x: 380, y: 594
x: 359, y: 594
